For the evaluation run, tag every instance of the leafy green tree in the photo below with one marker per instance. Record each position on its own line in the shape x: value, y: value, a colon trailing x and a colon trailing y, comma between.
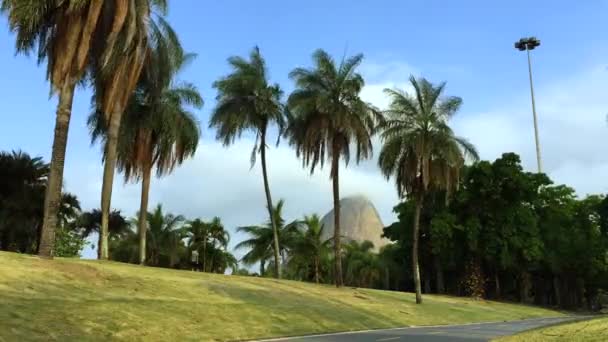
x: 105, y: 39
x: 68, y: 243
x: 248, y: 102
x: 327, y: 118
x: 420, y: 150
x: 157, y: 130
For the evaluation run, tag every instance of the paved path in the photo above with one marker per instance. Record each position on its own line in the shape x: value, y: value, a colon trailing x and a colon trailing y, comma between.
x: 468, y: 332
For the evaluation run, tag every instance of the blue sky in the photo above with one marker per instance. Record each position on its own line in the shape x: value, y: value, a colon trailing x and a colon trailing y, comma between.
x: 469, y: 44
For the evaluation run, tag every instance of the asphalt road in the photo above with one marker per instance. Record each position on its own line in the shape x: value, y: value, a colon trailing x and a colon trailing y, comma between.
x: 468, y: 332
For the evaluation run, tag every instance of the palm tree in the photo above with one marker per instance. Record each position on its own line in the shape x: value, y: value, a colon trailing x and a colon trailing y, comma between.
x: 420, y: 150
x: 138, y: 35
x: 156, y: 130
x: 208, y: 234
x: 361, y: 264
x: 247, y: 102
x: 197, y: 233
x: 90, y: 222
x: 327, y: 117
x: 219, y: 238
x: 165, y: 235
x: 309, y: 245
x: 72, y: 36
x: 261, y: 244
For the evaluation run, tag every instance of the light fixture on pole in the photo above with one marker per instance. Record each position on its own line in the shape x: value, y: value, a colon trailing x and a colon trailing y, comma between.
x: 527, y: 44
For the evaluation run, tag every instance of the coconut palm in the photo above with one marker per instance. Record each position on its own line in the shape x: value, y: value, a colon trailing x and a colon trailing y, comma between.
x: 248, y: 102
x: 261, y: 244
x: 327, y: 118
x: 157, y: 130
x: 309, y: 247
x: 73, y: 36
x: 143, y: 34
x: 420, y: 150
x: 165, y: 235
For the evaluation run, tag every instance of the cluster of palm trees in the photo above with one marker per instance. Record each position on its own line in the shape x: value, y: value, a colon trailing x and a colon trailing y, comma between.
x: 128, y: 53
x: 325, y: 117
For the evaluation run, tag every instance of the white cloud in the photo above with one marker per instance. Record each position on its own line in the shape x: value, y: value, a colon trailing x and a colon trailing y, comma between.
x: 572, y: 125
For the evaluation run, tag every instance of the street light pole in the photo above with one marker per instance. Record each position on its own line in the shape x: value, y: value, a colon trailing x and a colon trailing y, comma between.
x: 529, y: 44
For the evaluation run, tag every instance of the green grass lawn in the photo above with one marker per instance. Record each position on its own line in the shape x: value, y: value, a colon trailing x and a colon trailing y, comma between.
x: 589, y: 331
x: 68, y: 299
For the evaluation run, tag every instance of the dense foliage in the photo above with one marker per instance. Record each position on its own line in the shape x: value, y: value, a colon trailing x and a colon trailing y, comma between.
x: 22, y: 188
x: 510, y: 234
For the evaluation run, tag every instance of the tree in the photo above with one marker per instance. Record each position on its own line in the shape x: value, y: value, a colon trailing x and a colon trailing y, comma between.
x: 362, y: 267
x: 261, y: 244
x: 248, y: 102
x: 157, y: 131
x: 90, y: 222
x: 327, y: 116
x: 213, y: 239
x: 23, y: 181
x: 75, y: 37
x: 138, y: 33
x: 309, y: 248
x: 420, y: 150
x: 165, y: 235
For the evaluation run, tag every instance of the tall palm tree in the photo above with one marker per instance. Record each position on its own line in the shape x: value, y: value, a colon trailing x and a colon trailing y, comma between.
x: 309, y: 246
x: 248, y: 102
x: 261, y: 244
x: 420, y: 150
x: 327, y: 117
x: 137, y: 35
x: 72, y: 36
x: 156, y: 131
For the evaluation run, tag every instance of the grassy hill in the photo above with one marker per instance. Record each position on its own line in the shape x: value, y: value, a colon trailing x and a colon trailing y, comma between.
x: 68, y: 299
x: 589, y: 331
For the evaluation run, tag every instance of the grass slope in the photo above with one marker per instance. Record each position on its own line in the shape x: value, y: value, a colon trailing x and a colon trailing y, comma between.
x: 68, y: 299
x: 589, y: 331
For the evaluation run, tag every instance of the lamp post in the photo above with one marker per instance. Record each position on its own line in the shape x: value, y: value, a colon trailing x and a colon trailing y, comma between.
x: 528, y: 44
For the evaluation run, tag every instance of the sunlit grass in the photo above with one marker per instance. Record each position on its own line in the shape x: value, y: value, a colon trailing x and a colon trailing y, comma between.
x: 589, y: 331
x: 69, y: 299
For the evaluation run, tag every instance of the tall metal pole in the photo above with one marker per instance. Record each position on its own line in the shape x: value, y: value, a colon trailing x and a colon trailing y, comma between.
x: 538, y: 159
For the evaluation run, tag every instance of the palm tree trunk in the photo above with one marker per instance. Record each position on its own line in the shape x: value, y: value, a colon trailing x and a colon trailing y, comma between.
x: 108, y: 180
x: 143, y: 212
x: 262, y: 267
x: 336, y: 189
x: 415, y: 265
x: 275, y: 233
x: 52, y: 199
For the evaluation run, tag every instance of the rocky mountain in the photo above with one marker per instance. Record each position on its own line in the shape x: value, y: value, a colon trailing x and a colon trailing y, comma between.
x: 359, y: 221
